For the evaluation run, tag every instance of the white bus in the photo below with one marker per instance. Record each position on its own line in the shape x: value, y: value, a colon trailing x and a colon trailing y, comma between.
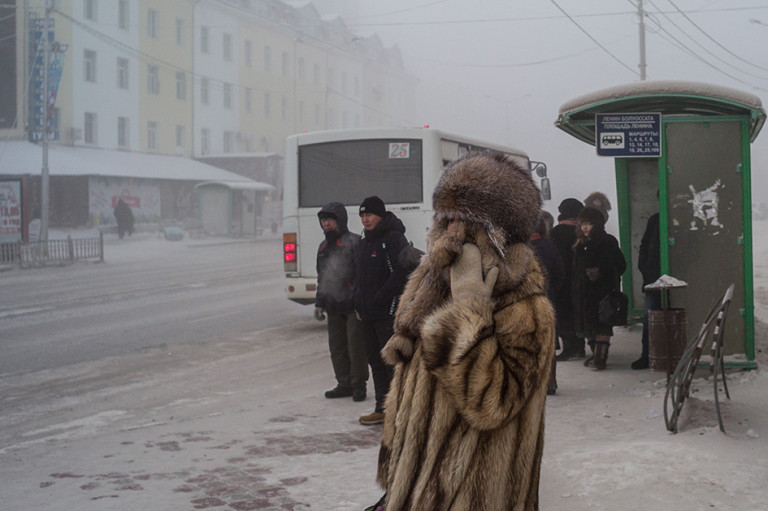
x: 400, y: 165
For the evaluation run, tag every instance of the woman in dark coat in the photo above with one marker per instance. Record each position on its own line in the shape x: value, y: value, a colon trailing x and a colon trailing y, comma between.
x: 597, y: 266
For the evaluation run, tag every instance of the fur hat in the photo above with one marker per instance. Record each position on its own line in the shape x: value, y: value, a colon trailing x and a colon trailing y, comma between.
x: 569, y: 208
x: 491, y: 190
x: 599, y: 201
x: 373, y: 205
x: 592, y: 216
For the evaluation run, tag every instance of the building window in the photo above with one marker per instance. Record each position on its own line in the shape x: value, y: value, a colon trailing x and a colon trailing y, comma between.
x: 204, y: 33
x: 267, y: 59
x: 153, y: 79
x: 228, y: 141
x: 227, y: 47
x: 248, y: 53
x: 90, y: 11
x: 344, y: 83
x: 152, y: 23
x: 89, y: 128
x: 227, y: 100
x: 180, y: 136
x: 316, y: 75
x: 286, y: 64
x: 122, y: 132
x: 284, y: 108
x: 247, y: 99
x: 122, y: 73
x: 181, y: 85
x: 152, y: 135
x: 89, y: 65
x: 123, y: 15
x: 204, y: 99
x: 205, y: 141
x: 301, y: 112
x: 180, y: 32
x: 357, y: 85
x: 267, y: 104
x: 301, y: 71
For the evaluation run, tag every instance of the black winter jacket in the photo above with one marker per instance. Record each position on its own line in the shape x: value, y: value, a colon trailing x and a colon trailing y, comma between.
x: 649, y: 258
x: 600, y: 251
x: 336, y: 265
x: 380, y: 279
x: 564, y: 238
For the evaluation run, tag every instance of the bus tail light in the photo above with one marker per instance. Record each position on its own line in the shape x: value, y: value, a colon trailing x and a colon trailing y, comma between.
x: 290, y: 264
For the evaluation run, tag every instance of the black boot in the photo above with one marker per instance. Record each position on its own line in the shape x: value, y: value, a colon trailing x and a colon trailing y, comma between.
x: 590, y: 361
x: 601, y: 355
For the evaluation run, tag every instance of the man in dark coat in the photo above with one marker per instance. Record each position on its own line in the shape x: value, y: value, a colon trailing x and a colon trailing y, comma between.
x: 563, y: 235
x: 649, y: 264
x: 335, y: 298
x: 124, y: 217
x: 380, y: 281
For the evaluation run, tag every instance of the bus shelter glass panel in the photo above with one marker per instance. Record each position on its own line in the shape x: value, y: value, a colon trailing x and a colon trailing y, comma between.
x: 704, y: 190
x: 643, y: 186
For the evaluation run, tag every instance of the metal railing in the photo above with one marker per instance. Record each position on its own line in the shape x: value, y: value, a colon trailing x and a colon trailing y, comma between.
x: 42, y: 253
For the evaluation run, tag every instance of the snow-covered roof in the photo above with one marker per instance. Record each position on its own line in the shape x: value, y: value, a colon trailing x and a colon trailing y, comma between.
x: 669, y: 97
x: 19, y: 157
x: 254, y: 186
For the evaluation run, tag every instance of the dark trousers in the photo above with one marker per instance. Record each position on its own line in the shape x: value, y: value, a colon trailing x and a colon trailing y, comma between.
x: 377, y: 333
x: 565, y: 327
x: 346, y: 343
x: 652, y: 302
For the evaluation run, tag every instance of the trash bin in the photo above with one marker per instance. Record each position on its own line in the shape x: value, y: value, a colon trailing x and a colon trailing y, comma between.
x: 666, y: 338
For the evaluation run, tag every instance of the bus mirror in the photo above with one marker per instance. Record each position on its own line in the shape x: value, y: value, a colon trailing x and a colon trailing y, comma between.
x: 546, y: 192
x: 540, y: 168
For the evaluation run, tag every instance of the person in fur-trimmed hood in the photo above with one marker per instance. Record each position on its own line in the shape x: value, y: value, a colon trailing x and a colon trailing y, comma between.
x: 472, y: 350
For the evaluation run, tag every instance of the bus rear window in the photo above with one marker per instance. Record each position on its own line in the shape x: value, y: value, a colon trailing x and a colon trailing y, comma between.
x: 350, y: 171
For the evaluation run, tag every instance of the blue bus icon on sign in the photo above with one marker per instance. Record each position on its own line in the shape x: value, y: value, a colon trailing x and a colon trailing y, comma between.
x: 612, y: 140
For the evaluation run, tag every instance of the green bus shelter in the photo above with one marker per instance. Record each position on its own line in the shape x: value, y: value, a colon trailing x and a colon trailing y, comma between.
x: 699, y: 183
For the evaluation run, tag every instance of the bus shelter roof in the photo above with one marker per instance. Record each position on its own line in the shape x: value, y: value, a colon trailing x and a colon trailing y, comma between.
x: 252, y: 186
x: 670, y: 98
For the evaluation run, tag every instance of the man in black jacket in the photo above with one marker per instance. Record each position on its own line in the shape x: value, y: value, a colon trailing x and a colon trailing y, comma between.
x: 380, y: 282
x: 335, y: 297
x: 649, y: 264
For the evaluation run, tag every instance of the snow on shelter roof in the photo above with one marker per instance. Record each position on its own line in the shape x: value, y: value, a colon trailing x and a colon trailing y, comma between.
x: 254, y: 186
x: 19, y: 157
x: 670, y: 98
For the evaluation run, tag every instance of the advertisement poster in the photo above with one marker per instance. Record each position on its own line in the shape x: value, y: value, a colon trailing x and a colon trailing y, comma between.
x: 10, y: 211
x: 142, y: 198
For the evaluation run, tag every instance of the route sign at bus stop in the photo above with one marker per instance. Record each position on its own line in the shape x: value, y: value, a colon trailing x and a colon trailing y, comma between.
x: 634, y: 135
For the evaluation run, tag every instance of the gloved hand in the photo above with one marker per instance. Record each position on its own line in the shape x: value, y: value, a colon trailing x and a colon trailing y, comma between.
x: 593, y: 274
x: 319, y: 313
x: 467, y: 275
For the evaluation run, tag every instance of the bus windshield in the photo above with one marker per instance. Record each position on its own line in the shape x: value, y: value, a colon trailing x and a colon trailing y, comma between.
x: 351, y: 170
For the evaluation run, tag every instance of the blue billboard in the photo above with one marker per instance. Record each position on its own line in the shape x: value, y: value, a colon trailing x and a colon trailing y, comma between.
x: 634, y: 135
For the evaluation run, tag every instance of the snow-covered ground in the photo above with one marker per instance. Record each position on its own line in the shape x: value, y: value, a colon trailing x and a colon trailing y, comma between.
x: 256, y: 421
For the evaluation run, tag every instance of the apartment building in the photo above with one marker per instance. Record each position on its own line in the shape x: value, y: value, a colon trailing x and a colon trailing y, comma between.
x: 179, y: 82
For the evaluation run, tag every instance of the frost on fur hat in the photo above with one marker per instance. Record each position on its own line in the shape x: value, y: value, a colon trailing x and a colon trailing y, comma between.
x: 491, y: 190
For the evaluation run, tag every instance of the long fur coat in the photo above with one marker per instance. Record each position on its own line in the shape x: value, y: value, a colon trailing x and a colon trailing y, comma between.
x: 464, y: 418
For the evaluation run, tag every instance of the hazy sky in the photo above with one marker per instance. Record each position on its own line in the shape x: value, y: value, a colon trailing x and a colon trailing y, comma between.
x: 500, y: 69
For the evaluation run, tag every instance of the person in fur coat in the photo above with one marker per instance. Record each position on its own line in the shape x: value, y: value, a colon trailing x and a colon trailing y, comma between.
x: 472, y: 350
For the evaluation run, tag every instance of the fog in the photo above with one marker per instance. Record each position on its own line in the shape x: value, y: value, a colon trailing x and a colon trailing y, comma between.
x: 500, y: 71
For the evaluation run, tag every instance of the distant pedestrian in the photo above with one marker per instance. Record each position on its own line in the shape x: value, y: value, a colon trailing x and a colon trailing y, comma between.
x: 473, y: 344
x: 563, y: 235
x: 35, y: 226
x: 124, y: 217
x: 598, y: 265
x: 335, y: 299
x: 380, y: 281
x: 599, y: 201
x: 649, y: 264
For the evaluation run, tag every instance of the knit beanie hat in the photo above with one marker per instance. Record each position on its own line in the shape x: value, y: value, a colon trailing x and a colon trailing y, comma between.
x: 592, y: 216
x: 373, y: 205
x: 569, y: 208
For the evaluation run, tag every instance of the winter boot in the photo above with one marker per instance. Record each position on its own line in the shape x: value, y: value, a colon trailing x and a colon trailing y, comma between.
x: 590, y: 360
x: 601, y: 355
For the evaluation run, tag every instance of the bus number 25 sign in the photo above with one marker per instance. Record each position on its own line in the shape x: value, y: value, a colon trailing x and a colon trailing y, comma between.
x: 399, y: 150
